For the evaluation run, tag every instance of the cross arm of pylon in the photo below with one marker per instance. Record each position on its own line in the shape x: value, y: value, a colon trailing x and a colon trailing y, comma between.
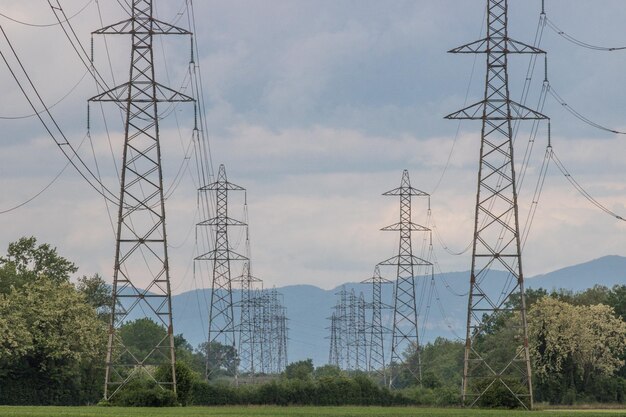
x: 498, y: 45
x: 496, y: 110
x: 121, y: 94
x: 397, y: 260
x: 222, y: 220
x: 142, y: 26
x: 220, y: 255
x: 404, y: 190
x: 249, y: 278
x: 222, y: 185
x: 396, y: 227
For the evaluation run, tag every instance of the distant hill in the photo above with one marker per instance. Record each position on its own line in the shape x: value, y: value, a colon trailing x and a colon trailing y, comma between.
x: 308, y: 307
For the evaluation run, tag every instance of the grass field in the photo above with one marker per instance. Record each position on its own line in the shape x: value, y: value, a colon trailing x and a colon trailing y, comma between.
x: 290, y: 412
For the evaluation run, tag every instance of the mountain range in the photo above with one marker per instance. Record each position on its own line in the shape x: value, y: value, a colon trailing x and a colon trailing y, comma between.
x: 444, y: 306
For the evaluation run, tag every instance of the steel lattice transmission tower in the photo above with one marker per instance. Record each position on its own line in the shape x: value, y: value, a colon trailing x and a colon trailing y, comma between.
x: 496, y: 243
x: 361, y: 335
x: 246, y: 327
x: 221, y: 314
x: 376, y: 361
x: 334, y: 353
x: 247, y: 361
x: 141, y: 278
x: 405, y: 320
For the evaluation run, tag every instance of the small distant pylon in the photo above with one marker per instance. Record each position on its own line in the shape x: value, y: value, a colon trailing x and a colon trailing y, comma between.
x: 334, y: 357
x: 343, y: 337
x: 221, y: 312
x: 405, y: 336
x: 246, y: 323
x: 361, y: 335
x: 352, y: 343
x: 376, y: 361
x: 259, y: 336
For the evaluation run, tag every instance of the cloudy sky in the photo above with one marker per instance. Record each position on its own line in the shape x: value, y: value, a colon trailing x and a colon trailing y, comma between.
x: 316, y: 107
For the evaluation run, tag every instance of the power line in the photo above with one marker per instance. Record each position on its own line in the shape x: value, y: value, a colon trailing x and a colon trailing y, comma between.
x: 45, y: 25
x: 102, y: 190
x: 578, y: 42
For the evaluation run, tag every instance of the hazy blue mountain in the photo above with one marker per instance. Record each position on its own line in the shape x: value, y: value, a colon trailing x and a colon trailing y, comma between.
x: 444, y: 305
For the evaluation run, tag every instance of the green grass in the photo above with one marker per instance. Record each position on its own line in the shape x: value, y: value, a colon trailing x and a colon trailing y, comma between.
x: 289, y: 412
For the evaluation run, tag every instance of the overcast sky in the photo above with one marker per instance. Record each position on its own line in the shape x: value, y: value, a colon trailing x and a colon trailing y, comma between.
x: 316, y: 107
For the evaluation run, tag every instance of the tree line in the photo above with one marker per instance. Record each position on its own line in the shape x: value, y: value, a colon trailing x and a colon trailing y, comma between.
x: 53, y: 341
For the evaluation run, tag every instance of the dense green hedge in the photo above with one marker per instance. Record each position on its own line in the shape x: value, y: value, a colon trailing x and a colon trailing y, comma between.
x: 329, y: 390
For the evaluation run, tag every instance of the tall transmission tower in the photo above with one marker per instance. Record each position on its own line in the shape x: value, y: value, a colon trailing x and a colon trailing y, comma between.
x: 141, y: 277
x: 496, y: 242
x: 405, y: 318
x: 376, y: 361
x: 221, y: 314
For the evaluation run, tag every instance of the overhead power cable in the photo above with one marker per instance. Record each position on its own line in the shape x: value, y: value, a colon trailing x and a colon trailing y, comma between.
x: 579, y: 116
x: 66, y: 95
x: 582, y: 191
x: 578, y: 42
x: 46, y: 25
x: 51, y: 126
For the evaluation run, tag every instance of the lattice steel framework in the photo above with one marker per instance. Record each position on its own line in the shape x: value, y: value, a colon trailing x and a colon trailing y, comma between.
x: 405, y: 314
x: 141, y: 278
x: 334, y: 357
x: 259, y: 337
x: 376, y: 362
x: 496, y: 243
x: 361, y: 335
x: 221, y: 314
x: 352, y: 346
x: 248, y: 364
x: 343, y: 337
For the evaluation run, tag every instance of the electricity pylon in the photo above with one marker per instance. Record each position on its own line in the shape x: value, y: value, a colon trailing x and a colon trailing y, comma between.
x: 496, y: 242
x: 405, y: 338
x: 247, y: 361
x: 352, y: 347
x: 246, y: 305
x: 376, y: 361
x: 221, y: 314
x: 361, y: 335
x: 333, y: 353
x: 141, y: 276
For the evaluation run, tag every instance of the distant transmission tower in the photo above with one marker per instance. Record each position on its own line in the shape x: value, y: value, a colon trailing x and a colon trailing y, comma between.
x: 141, y: 279
x: 246, y: 327
x: 405, y: 321
x: 334, y: 357
x: 361, y: 335
x: 376, y: 361
x: 221, y: 314
x: 352, y: 331
x: 343, y: 338
x: 496, y: 226
x: 247, y: 361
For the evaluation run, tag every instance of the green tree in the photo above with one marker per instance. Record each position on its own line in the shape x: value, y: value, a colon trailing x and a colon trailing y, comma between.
x: 26, y: 261
x: 571, y: 346
x: 141, y: 336
x: 97, y: 294
x: 55, y: 343
x: 302, y: 370
x: 222, y: 356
